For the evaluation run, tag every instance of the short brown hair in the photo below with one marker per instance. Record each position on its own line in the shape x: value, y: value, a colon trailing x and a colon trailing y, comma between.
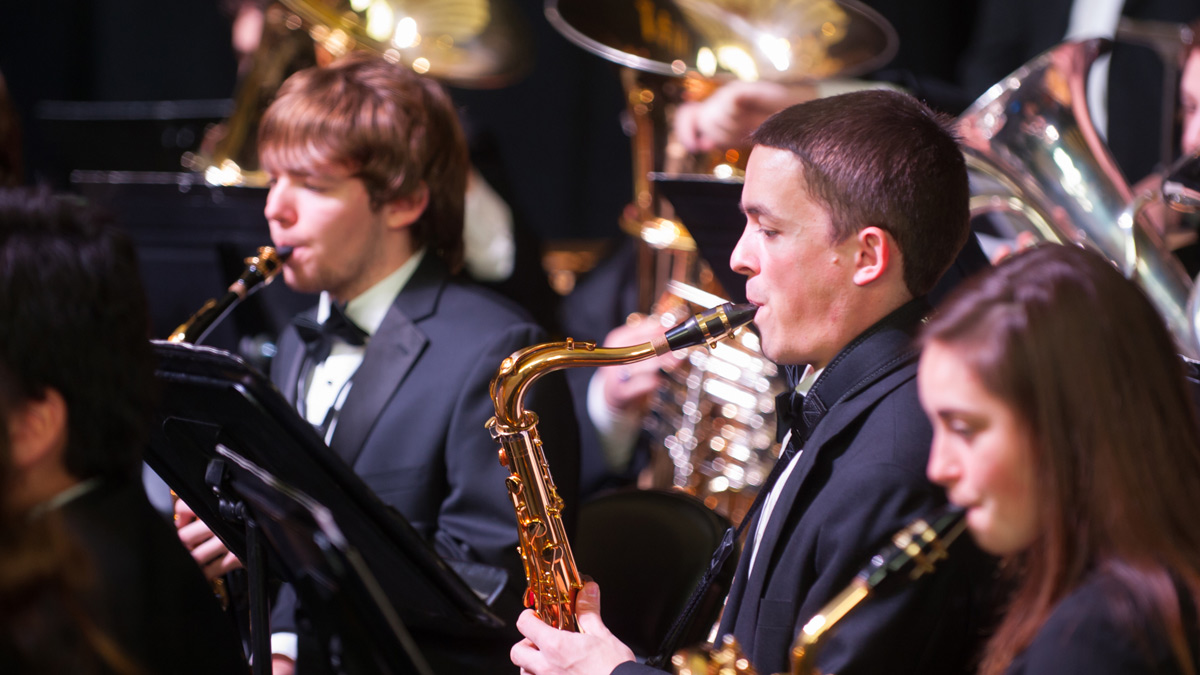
x: 395, y: 129
x: 882, y: 158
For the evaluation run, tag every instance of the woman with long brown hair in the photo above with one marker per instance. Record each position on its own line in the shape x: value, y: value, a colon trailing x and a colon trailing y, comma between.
x: 1063, y: 423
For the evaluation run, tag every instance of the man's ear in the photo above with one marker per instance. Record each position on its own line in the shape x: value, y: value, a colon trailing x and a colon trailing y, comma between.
x: 404, y: 211
x: 37, y: 429
x: 872, y: 255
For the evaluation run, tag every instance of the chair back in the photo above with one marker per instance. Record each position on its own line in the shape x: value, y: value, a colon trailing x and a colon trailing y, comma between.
x: 648, y: 549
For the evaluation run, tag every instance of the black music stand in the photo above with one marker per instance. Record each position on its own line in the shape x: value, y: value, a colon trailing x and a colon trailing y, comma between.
x: 231, y: 447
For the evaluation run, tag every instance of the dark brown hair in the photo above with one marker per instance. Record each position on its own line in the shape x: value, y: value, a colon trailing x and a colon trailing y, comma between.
x: 882, y: 158
x: 394, y: 129
x: 74, y: 318
x: 1081, y: 356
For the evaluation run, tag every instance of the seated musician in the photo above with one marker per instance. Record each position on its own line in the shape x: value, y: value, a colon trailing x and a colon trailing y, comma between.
x: 73, y: 342
x: 1062, y: 423
x: 368, y: 173
x: 855, y: 206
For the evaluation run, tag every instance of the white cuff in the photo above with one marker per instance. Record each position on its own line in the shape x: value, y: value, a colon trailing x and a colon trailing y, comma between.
x: 618, y: 430
x: 285, y: 644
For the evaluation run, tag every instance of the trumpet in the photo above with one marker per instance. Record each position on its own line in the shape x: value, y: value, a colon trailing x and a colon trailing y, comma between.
x: 260, y: 269
x: 550, y: 568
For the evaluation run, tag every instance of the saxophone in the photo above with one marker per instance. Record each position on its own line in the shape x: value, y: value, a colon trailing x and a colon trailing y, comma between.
x: 549, y: 565
x: 914, y: 550
x: 260, y: 269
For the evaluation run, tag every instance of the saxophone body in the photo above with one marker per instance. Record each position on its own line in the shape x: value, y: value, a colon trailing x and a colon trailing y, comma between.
x: 549, y: 564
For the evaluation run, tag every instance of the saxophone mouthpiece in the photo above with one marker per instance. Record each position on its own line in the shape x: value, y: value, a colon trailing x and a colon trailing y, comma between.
x: 283, y: 253
x: 710, y: 325
x: 916, y: 549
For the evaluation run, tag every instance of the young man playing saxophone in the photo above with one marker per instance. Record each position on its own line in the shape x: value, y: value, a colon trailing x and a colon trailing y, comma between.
x: 855, y: 206
x: 368, y: 174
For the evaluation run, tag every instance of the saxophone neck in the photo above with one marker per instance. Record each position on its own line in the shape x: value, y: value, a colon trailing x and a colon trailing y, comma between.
x: 260, y: 269
x: 526, y: 366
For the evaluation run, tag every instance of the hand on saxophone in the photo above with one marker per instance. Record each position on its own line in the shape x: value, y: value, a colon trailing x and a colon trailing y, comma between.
x: 549, y: 651
x: 208, y: 551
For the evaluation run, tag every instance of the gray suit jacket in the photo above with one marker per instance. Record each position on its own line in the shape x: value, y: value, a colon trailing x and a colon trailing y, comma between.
x: 412, y: 426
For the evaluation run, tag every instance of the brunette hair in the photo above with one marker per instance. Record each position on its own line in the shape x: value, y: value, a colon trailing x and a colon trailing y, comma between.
x: 396, y: 130
x: 882, y: 158
x: 1081, y: 356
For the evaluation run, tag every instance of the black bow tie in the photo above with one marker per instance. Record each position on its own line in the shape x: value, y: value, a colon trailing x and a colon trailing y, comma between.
x: 796, y: 412
x: 789, y: 407
x: 318, y: 337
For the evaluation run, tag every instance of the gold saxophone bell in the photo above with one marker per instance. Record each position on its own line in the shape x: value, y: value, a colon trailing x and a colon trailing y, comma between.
x: 550, y: 568
x: 260, y: 269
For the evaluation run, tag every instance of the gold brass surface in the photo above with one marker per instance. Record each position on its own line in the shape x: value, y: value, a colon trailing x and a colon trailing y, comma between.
x: 788, y: 41
x: 550, y: 569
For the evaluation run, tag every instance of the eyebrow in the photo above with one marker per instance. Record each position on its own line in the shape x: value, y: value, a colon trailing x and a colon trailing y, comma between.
x: 756, y: 210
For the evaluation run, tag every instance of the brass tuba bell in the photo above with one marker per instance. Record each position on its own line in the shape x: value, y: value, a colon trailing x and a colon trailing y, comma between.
x: 1033, y: 153
x: 465, y: 43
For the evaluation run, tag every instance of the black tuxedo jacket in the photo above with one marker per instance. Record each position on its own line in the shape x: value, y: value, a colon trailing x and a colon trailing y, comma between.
x: 1100, y: 629
x: 147, y: 593
x: 859, y: 480
x: 412, y: 426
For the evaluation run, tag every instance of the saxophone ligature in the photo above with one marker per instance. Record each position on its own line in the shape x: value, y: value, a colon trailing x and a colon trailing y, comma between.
x: 260, y: 269
x: 912, y: 552
x: 550, y: 568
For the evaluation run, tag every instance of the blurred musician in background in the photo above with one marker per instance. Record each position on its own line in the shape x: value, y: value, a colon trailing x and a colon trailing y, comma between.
x: 855, y: 206
x: 1033, y: 377
x: 78, y: 398
x: 369, y: 169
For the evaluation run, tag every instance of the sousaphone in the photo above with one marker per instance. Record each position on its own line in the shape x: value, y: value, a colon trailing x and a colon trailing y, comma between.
x: 1033, y: 153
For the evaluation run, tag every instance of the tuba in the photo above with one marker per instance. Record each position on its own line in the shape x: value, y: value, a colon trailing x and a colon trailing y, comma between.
x: 1034, y: 154
x: 549, y: 565
x: 464, y: 43
x: 913, y: 552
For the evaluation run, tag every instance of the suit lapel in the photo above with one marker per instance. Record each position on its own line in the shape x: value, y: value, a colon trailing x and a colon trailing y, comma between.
x: 391, y: 353
x: 834, y: 423
x: 862, y: 373
x: 290, y: 360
